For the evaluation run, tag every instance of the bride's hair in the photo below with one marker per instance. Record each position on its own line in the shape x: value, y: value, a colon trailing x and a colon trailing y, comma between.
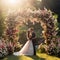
x: 29, y: 33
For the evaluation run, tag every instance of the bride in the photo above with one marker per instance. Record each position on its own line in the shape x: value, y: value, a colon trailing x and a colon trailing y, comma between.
x: 27, y: 48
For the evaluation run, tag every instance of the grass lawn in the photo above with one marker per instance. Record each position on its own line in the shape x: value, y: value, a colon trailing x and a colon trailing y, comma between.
x: 40, y: 56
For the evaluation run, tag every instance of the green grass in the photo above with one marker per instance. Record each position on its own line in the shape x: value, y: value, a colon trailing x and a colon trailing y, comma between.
x: 39, y: 56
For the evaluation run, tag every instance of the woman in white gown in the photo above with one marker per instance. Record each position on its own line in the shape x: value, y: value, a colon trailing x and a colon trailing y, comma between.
x: 27, y: 48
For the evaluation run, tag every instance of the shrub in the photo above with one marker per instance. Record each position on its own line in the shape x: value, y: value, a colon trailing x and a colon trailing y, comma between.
x: 10, y: 50
x: 10, y: 47
x: 3, y: 50
x: 41, y: 48
x: 51, y: 50
x: 17, y: 47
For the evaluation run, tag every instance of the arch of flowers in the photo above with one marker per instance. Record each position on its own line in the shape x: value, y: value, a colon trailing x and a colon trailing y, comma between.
x: 47, y: 20
x: 44, y: 17
x: 15, y: 19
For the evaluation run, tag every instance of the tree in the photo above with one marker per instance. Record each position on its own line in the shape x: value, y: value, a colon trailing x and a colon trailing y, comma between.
x: 2, y: 24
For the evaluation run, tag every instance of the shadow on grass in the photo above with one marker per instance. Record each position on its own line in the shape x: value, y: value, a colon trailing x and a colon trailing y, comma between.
x: 12, y: 57
x: 54, y: 56
x: 36, y: 58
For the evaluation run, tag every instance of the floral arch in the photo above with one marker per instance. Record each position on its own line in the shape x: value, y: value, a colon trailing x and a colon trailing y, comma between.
x: 15, y: 19
x: 44, y: 17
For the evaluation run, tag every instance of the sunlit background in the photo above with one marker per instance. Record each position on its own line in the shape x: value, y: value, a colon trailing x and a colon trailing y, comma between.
x: 53, y: 5
x: 14, y: 3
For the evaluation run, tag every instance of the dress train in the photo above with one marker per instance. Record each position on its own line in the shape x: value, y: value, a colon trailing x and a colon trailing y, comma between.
x: 26, y: 50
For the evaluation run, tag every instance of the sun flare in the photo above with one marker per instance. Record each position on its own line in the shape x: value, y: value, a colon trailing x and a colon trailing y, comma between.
x: 12, y: 1
x: 14, y: 4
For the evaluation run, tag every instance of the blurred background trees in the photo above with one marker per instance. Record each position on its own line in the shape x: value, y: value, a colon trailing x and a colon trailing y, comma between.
x: 2, y: 24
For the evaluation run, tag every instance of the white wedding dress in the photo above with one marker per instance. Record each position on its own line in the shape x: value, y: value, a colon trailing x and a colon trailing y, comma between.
x: 26, y: 50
